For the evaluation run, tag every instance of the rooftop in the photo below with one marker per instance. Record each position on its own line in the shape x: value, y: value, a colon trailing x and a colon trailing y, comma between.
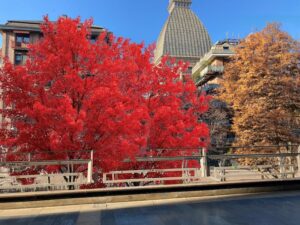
x: 33, y: 25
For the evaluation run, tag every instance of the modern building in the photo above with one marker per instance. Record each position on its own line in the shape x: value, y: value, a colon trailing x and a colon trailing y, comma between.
x: 211, y: 66
x: 17, y: 34
x: 206, y: 74
x: 183, y: 37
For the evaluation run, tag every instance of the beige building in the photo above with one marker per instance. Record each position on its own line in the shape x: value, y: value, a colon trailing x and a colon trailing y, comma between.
x: 17, y: 34
x: 1, y: 57
x: 211, y: 66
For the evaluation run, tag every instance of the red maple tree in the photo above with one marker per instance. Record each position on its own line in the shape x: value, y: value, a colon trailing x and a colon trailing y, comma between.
x: 76, y: 95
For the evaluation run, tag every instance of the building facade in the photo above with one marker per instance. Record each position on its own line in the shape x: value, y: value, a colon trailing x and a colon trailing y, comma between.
x: 211, y: 66
x: 18, y: 34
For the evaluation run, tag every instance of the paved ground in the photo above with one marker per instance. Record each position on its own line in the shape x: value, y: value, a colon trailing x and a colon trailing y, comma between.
x: 275, y: 209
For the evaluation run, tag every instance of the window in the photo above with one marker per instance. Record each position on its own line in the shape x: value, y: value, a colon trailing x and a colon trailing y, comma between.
x: 22, y: 39
x: 93, y: 39
x: 20, y: 57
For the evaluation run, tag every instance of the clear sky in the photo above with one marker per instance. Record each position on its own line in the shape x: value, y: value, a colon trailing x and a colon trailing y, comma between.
x: 142, y: 20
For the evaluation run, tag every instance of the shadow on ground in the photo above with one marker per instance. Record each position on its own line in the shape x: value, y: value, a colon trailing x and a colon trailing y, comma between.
x: 277, y: 209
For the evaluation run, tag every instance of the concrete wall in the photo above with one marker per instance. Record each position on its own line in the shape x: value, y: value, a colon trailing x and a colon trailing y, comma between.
x: 104, y: 196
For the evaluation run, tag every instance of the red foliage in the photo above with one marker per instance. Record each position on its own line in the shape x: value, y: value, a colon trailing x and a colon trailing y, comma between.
x: 106, y: 96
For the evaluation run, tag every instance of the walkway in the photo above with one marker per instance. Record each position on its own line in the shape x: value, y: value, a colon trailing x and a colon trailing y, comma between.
x: 271, y: 209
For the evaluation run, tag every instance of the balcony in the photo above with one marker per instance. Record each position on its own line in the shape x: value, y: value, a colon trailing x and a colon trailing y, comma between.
x: 209, y: 73
x: 212, y: 70
x: 19, y: 45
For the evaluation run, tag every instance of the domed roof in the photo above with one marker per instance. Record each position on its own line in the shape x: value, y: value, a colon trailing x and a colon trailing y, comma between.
x: 183, y: 36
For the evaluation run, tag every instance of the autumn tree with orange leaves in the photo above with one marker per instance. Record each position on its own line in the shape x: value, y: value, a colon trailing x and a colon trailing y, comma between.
x: 262, y: 85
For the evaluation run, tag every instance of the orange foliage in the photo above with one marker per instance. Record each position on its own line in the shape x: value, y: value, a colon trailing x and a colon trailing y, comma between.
x: 261, y: 84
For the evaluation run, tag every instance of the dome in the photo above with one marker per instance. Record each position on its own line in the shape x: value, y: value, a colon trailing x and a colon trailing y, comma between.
x: 183, y: 36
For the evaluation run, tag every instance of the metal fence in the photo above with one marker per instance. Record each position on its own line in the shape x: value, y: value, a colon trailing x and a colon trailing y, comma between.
x: 26, y: 172
x: 183, y: 166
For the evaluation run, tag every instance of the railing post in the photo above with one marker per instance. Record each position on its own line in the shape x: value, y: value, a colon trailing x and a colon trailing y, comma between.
x: 291, y: 164
x: 90, y: 169
x: 282, y: 167
x: 203, y: 163
x: 298, y: 162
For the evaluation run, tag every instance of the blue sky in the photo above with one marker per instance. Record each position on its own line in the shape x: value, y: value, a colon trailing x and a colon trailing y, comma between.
x: 142, y: 20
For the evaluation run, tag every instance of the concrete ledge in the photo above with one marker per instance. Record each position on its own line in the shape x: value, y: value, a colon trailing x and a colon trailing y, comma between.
x: 114, y: 195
